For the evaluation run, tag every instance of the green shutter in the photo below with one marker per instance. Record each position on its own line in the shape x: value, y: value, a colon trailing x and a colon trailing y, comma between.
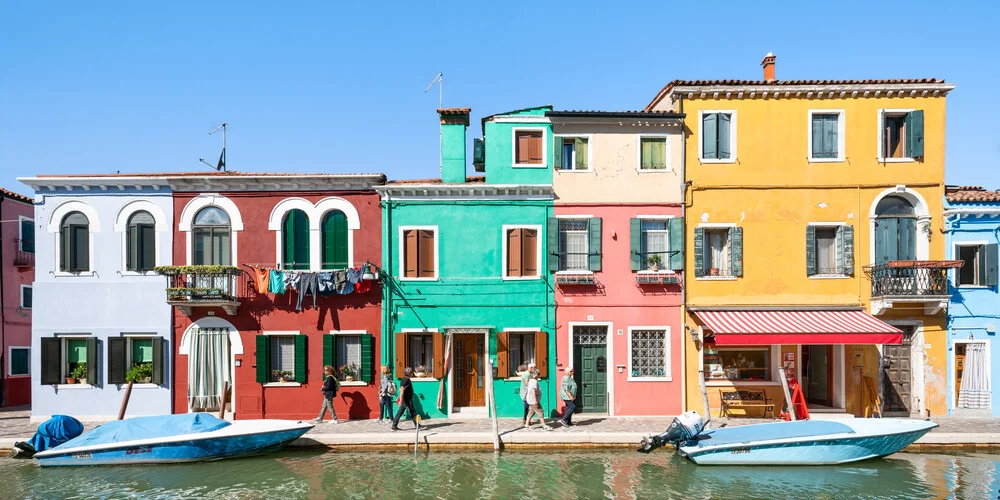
x: 847, y: 249
x: 991, y: 265
x: 301, y: 358
x: 886, y: 237
x: 557, y: 146
x: 27, y: 236
x: 367, y: 358
x: 329, y: 351
x: 159, y: 360
x: 915, y: 134
x: 493, y: 347
x: 660, y: 154
x: 635, y: 242
x: 709, y: 136
x: 552, y: 235
x: 263, y: 355
x: 334, y: 244
x: 736, y: 250
x: 646, y: 156
x: 580, y: 148
x: 116, y: 360
x: 147, y: 240
x: 50, y: 362
x: 699, y: 252
x: 675, y: 238
x: 810, y: 250
x: 907, y: 239
x: 594, y: 247
x: 725, y: 121
x: 91, y: 361
x: 296, y: 241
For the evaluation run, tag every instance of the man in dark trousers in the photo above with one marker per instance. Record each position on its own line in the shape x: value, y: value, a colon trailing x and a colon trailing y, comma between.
x: 405, y: 400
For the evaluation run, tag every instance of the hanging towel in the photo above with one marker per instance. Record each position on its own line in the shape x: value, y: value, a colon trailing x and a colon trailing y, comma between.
x: 277, y: 281
x: 363, y: 286
x: 261, y: 279
x: 307, y: 284
x: 325, y: 282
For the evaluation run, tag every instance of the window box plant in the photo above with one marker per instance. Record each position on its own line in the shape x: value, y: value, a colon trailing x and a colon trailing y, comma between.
x: 420, y: 371
x: 140, y: 373
x: 349, y: 371
x: 282, y: 375
x: 79, y: 374
x: 653, y: 262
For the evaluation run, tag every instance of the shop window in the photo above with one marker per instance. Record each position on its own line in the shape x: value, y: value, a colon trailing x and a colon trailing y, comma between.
x: 738, y: 363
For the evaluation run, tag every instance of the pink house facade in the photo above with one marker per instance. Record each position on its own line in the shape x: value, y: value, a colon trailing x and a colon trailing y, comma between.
x: 17, y: 258
x: 619, y: 225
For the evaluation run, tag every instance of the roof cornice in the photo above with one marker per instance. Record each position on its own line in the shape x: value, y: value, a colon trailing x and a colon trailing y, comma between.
x: 809, y: 91
x: 197, y: 183
x: 466, y: 191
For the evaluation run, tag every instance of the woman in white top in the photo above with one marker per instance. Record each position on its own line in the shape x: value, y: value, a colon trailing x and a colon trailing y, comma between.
x: 534, y: 400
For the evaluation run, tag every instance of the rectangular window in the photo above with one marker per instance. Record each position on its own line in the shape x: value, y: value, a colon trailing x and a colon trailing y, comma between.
x: 419, y: 251
x: 717, y: 135
x: 20, y: 361
x: 736, y: 363
x: 574, y: 248
x: 894, y: 136
x: 76, y: 356
x: 653, y: 153
x: 421, y: 352
x: 717, y: 252
x: 25, y: 296
x: 648, y: 353
x: 826, y: 251
x: 654, y: 242
x: 825, y: 135
x: 27, y: 235
x: 282, y: 357
x: 348, y: 357
x: 68, y: 360
x: 522, y: 252
x: 971, y: 273
x: 901, y: 135
x: 141, y: 247
x: 140, y: 351
x: 528, y: 148
x: 573, y: 153
x: 520, y: 349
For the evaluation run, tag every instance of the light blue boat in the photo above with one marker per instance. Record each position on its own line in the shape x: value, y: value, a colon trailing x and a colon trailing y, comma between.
x: 804, y: 442
x: 192, y: 437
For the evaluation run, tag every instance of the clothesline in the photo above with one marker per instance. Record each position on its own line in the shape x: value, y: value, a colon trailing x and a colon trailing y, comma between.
x: 266, y: 279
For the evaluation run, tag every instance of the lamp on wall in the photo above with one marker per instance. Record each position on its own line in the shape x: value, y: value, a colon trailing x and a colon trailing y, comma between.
x: 694, y: 334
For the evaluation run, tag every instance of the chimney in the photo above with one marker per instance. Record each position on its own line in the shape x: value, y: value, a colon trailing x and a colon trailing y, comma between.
x: 768, y: 64
x: 454, y: 121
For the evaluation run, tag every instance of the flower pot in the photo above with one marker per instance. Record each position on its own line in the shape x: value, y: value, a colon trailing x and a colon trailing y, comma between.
x: 82, y: 380
x: 70, y: 380
x: 654, y: 267
x: 348, y: 378
x: 146, y: 380
x: 284, y: 379
x: 713, y: 271
x: 419, y: 374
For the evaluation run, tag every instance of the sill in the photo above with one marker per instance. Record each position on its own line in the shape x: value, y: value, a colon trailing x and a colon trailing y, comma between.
x: 735, y: 383
x: 140, y: 386
x: 570, y: 271
x: 829, y: 277
x: 23, y: 375
x: 521, y: 278
x: 650, y: 379
x: 283, y: 384
x: 138, y: 273
x: 826, y: 160
x: 713, y: 160
x: 418, y: 279
x: 573, y: 171
x: 654, y: 170
x: 717, y: 278
x: 661, y: 271
x: 896, y: 160
x: 973, y: 287
x: 423, y: 379
x: 355, y: 383
x: 73, y: 386
x: 69, y: 274
x: 528, y: 165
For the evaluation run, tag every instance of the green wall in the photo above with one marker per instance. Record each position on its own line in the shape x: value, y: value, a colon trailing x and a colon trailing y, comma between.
x: 500, y: 150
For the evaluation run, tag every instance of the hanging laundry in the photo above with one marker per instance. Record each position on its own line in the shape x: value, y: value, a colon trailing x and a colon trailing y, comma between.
x: 353, y: 278
x: 261, y: 279
x: 292, y: 280
x: 307, y: 284
x: 277, y: 281
x: 363, y: 286
x: 325, y: 282
x: 340, y: 282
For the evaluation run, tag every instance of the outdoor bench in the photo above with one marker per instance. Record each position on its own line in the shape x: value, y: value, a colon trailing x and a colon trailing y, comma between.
x: 745, y: 398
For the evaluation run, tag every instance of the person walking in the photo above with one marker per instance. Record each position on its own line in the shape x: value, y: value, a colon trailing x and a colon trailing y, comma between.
x: 329, y: 389
x: 534, y: 400
x: 405, y: 400
x: 386, y: 390
x: 567, y: 392
x: 525, y: 373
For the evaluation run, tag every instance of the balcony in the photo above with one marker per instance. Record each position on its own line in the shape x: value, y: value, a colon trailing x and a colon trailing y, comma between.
x: 921, y: 282
x: 203, y: 286
x: 657, y: 278
x: 24, y: 253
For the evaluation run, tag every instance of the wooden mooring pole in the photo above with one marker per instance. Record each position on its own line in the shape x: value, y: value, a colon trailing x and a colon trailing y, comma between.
x: 128, y: 394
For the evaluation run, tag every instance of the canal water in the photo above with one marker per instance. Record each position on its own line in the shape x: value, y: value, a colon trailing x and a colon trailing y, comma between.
x: 570, y: 474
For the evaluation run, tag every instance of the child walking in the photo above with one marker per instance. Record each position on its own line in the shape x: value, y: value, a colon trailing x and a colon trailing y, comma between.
x: 386, y: 391
x: 329, y: 389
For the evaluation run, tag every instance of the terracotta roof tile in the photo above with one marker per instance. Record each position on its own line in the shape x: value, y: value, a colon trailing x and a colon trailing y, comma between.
x: 971, y: 194
x: 454, y: 111
x: 15, y: 196
x: 204, y: 174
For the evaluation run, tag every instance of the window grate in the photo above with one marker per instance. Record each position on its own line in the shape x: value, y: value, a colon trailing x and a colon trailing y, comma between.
x: 590, y: 335
x: 649, y: 353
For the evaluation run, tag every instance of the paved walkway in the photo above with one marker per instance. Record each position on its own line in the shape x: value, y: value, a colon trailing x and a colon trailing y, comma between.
x: 954, y: 432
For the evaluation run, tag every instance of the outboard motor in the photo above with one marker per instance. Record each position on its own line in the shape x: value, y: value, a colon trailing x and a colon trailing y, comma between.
x: 684, y: 428
x: 53, y: 432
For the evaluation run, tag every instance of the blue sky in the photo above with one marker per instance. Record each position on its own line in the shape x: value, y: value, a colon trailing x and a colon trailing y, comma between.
x: 99, y: 87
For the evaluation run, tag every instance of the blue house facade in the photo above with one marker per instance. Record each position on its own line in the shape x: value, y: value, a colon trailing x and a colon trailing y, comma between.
x: 97, y: 240
x: 972, y: 228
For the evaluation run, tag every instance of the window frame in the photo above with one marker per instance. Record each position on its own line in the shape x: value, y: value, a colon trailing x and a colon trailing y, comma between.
x: 10, y: 364
x: 511, y: 366
x: 429, y: 367
x: 401, y: 271
x: 722, y: 226
x: 126, y: 239
x: 538, y: 251
x: 349, y: 239
x: 285, y: 334
x: 835, y: 226
x: 732, y: 136
x: 773, y: 360
x: 20, y: 234
x: 841, y: 130
x: 195, y: 227
x: 358, y: 334
x: 545, y: 147
x: 665, y: 265
x: 590, y: 152
x: 129, y: 337
x: 281, y: 264
x: 666, y: 153
x: 668, y: 377
x: 882, y: 113
x: 64, y: 362
x: 21, y: 290
x: 980, y: 261
x: 90, y: 245
x: 577, y: 218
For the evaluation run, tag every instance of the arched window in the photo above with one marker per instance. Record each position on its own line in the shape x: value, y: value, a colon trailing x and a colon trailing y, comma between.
x: 295, y: 244
x: 334, y: 240
x: 141, y: 243
x: 75, y: 241
x: 895, y: 230
x: 212, y: 235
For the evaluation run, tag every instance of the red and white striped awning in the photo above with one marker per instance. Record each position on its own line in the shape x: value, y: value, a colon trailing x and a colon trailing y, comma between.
x: 816, y: 327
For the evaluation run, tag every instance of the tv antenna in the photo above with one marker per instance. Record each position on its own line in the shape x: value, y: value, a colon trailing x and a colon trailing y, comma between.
x: 221, y: 165
x: 439, y: 81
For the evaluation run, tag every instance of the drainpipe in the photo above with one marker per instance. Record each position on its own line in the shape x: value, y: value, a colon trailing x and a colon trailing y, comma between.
x: 3, y: 323
x: 684, y: 336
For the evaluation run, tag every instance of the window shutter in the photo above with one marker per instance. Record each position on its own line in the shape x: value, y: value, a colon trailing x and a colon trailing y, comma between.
x: 366, y: 357
x: 557, y: 152
x: 847, y: 251
x: 675, y: 238
x: 529, y: 252
x: 263, y: 359
x: 27, y: 236
x: 886, y: 240
x: 725, y: 122
x: 301, y: 358
x: 147, y: 237
x: 400, y: 349
x: 520, y: 143
x: 710, y: 138
x: 699, y: 252
x: 329, y: 351
x: 51, y: 354
x: 159, y: 360
x: 542, y: 353
x: 301, y: 240
x: 288, y: 251
x: 736, y: 250
x: 425, y: 253
x: 334, y: 244
x: 991, y: 265
x: 503, y: 340
x: 810, y: 250
x: 658, y: 150
x: 91, y: 361
x: 116, y: 360
x: 65, y: 244
x: 594, y: 247
x: 410, y: 253
x: 514, y: 252
x: 536, y: 147
x: 438, y: 355
x: 580, y: 147
x: 132, y: 255
x: 907, y: 239
x: 915, y: 134
x: 552, y: 237
x: 635, y: 243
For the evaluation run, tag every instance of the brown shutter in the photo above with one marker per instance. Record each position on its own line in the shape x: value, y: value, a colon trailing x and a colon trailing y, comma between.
x: 513, y: 252
x: 425, y: 254
x: 542, y: 353
x: 503, y: 370
x: 438, y: 355
x: 410, y: 253
x: 400, y: 353
x: 529, y: 252
x: 535, y: 139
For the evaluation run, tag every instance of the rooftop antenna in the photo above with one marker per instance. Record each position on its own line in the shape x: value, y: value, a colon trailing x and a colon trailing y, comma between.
x: 439, y: 80
x: 221, y: 165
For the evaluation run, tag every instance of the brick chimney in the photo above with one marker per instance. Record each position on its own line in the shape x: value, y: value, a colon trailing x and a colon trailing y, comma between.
x: 768, y: 64
x: 454, y: 121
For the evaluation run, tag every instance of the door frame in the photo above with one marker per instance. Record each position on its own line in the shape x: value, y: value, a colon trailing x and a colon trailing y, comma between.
x: 831, y: 402
x: 609, y: 378
x: 450, y: 377
x: 952, y: 366
x: 235, y: 349
x: 916, y: 365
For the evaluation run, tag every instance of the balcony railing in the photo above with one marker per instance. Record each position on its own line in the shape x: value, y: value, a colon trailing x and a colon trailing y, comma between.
x: 203, y: 286
x: 911, y: 278
x: 24, y: 253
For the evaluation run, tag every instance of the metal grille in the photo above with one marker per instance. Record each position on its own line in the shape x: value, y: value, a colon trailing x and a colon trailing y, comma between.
x: 649, y: 353
x: 590, y: 335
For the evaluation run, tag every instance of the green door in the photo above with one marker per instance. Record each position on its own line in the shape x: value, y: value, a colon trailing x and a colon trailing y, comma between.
x: 590, y: 358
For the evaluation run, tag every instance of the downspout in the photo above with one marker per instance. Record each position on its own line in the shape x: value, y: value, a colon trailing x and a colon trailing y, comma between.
x: 3, y: 322
x: 684, y: 336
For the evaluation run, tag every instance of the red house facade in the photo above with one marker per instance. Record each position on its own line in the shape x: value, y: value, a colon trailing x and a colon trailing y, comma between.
x: 246, y: 247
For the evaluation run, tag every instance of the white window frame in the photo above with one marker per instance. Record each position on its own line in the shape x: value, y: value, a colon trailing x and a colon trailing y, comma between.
x: 21, y: 299
x: 55, y: 226
x: 732, y: 135
x: 881, y: 137
x: 160, y: 227
x: 281, y: 333
x: 64, y: 361
x: 590, y: 152
x: 538, y: 251
x: 841, y: 130
x: 352, y: 333
x: 20, y: 233
x: 586, y: 219
x: 517, y: 331
x: 186, y: 224
x: 664, y: 218
x: 666, y: 352
x: 666, y: 152
x: 401, y: 271
x: 955, y: 275
x: 717, y: 226
x: 10, y: 355
x: 828, y: 225
x: 545, y: 147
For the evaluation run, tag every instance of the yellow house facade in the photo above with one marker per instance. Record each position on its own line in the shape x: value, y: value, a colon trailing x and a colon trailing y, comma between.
x: 814, y: 242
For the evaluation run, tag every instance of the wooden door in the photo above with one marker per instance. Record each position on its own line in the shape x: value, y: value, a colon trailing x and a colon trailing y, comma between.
x: 896, y: 371
x: 818, y: 361
x: 468, y: 370
x: 959, y: 368
x: 590, y: 361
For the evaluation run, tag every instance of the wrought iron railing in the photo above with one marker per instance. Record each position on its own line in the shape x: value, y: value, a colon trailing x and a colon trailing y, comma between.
x: 194, y: 284
x: 910, y: 278
x: 24, y: 252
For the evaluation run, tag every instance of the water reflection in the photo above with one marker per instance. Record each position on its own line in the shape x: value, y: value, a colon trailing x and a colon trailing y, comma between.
x: 570, y: 474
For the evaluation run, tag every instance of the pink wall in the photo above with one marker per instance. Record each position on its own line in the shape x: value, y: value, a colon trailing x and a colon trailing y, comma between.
x: 620, y: 301
x: 17, y: 321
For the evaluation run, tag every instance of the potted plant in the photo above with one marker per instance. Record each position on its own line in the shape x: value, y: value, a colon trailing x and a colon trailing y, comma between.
x: 282, y: 375
x: 653, y: 262
x: 420, y: 371
x: 140, y: 373
x: 713, y: 271
x: 349, y: 371
x: 79, y: 373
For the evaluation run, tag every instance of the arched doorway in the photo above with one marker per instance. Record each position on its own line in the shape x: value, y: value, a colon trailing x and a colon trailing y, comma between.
x: 211, y: 345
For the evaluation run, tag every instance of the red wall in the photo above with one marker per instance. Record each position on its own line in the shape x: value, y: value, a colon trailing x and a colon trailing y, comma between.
x: 17, y: 321
x: 268, y: 312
